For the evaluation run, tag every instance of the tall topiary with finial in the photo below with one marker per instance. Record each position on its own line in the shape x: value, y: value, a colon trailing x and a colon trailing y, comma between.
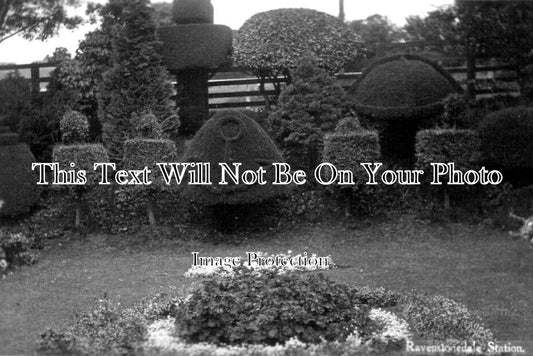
x: 75, y: 153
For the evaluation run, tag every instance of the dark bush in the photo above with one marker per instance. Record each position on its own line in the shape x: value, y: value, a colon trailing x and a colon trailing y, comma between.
x: 15, y: 91
x: 507, y: 138
x: 308, y: 108
x: 231, y: 137
x: 17, y: 249
x: 267, y: 308
x: 399, y: 95
x: 18, y: 183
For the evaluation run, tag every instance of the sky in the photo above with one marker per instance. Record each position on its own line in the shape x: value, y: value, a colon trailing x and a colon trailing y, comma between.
x: 232, y: 13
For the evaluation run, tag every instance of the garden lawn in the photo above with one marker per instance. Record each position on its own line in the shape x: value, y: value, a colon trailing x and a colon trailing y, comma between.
x: 485, y: 269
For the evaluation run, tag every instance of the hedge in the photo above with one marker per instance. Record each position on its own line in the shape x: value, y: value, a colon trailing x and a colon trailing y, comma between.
x: 18, y: 184
x: 230, y: 136
x: 83, y: 156
x: 192, y: 11
x: 507, y: 138
x: 402, y: 86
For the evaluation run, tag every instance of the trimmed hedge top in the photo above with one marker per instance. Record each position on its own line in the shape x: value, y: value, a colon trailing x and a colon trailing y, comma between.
x: 403, y: 86
x: 275, y: 40
x: 232, y: 137
x: 192, y: 11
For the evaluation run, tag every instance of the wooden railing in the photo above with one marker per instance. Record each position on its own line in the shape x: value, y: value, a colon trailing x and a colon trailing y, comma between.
x: 244, y: 91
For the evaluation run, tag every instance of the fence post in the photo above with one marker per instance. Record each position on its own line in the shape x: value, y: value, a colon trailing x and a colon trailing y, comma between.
x: 35, y: 80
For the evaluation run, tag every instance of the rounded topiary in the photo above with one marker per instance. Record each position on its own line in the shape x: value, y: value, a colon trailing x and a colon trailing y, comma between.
x: 147, y: 125
x: 267, y: 308
x: 232, y: 137
x: 18, y: 183
x: 192, y: 11
x: 74, y: 127
x: 507, y: 138
x: 348, y: 125
x: 403, y: 86
x: 274, y: 40
x: 144, y: 152
x: 400, y: 95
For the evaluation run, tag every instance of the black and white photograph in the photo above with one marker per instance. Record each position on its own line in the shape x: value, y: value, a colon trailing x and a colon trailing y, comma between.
x: 266, y: 178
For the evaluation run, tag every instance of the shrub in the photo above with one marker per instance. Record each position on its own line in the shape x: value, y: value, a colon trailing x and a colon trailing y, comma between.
x: 308, y: 108
x: 15, y: 91
x: 347, y: 151
x: 440, y: 318
x: 400, y: 94
x: 74, y: 127
x: 460, y: 147
x: 18, y: 189
x: 270, y: 43
x: 83, y: 156
x: 16, y: 249
x: 507, y: 138
x: 143, y: 152
x: 228, y: 137
x: 348, y: 125
x: 456, y: 111
x: 269, y: 308
x: 137, y: 80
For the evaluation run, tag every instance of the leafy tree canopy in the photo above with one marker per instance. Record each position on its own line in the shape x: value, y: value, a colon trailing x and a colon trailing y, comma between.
x: 377, y: 28
x: 39, y: 19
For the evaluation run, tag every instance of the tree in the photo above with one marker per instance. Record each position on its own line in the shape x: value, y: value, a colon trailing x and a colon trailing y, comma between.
x: 137, y: 81
x: 39, y: 19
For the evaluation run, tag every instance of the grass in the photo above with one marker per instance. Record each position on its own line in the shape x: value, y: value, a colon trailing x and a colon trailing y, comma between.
x: 485, y: 269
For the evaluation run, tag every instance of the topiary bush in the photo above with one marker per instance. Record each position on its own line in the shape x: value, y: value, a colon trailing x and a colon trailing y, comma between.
x: 346, y: 150
x: 18, y: 188
x: 308, y: 108
x: 16, y: 249
x: 74, y: 127
x: 192, y: 11
x: 460, y: 147
x: 229, y: 136
x: 401, y: 94
x: 146, y: 151
x: 270, y: 43
x: 507, y: 139
x: 267, y: 308
x: 83, y: 157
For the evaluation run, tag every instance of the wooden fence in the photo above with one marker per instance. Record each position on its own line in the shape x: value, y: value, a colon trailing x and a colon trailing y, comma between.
x: 243, y: 91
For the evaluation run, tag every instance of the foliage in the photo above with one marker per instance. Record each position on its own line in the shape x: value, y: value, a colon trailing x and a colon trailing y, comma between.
x: 74, y: 127
x: 348, y: 125
x: 142, y: 152
x: 440, y: 318
x: 192, y: 11
x: 506, y: 138
x: 269, y: 308
x: 228, y: 137
x: 83, y: 156
x: 270, y: 43
x: 18, y: 191
x: 147, y: 126
x: 308, y: 108
x: 39, y: 19
x: 15, y: 93
x: 137, y: 81
x: 16, y: 249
